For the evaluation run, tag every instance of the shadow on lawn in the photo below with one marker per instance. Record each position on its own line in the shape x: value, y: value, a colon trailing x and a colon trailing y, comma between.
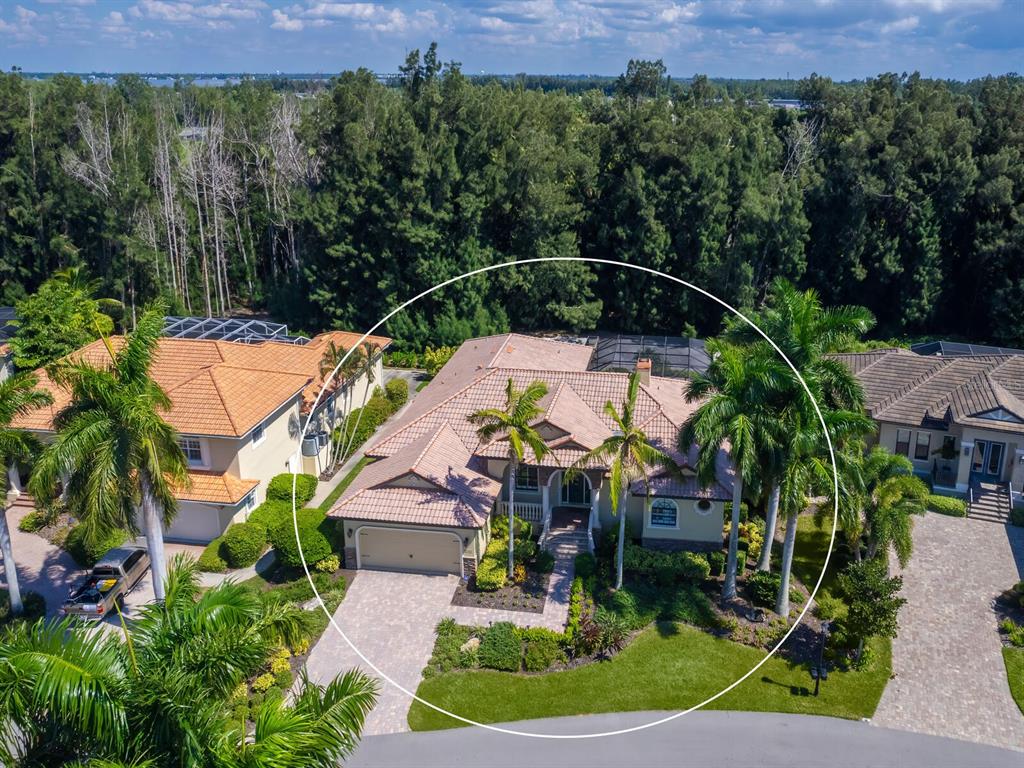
x: 794, y: 690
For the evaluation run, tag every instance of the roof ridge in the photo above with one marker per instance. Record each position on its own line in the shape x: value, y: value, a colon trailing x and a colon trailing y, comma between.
x: 220, y: 394
x: 430, y: 444
x: 494, y: 357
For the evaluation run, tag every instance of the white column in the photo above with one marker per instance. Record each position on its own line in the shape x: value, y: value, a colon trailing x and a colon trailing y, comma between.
x: 545, y: 503
x: 14, y: 480
x: 595, y: 506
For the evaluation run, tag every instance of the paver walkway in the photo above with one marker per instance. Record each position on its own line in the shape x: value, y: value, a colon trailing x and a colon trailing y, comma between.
x: 949, y: 677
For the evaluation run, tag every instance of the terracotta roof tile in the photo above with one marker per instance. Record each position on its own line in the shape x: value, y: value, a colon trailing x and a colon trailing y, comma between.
x: 215, y: 488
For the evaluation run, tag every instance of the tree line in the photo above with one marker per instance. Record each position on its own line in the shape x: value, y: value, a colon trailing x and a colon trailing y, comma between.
x: 900, y: 193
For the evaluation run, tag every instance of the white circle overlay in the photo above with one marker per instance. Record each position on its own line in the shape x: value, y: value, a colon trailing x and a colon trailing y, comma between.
x: 512, y: 731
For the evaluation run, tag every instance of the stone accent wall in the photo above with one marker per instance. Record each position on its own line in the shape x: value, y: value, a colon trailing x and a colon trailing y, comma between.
x: 350, y: 558
x: 468, y: 567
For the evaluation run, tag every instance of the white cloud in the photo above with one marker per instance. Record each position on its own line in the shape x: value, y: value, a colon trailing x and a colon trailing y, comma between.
x: 181, y: 12
x: 369, y: 17
x: 902, y: 25
x: 941, y: 6
x: 675, y: 13
x: 283, y: 21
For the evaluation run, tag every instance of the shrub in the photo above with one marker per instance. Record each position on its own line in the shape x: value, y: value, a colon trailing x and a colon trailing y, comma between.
x: 397, y: 393
x: 614, y: 631
x: 32, y: 522
x: 500, y: 648
x: 499, y: 528
x: 279, y: 661
x: 762, y: 587
x: 271, y: 513
x: 33, y: 607
x: 448, y: 653
x: 947, y: 505
x: 716, y: 562
x: 542, y: 652
x: 544, y: 562
x: 586, y: 565
x: 524, y: 550
x: 492, y: 570
x: 828, y: 608
x: 741, y: 561
x: 373, y: 414
x: 666, y: 567
x: 86, y: 552
x: 211, y: 560
x: 312, y: 525
x: 434, y: 359
x: 263, y: 683
x: 1017, y: 515
x: 283, y: 680
x: 572, y: 625
x: 243, y: 544
x: 280, y: 488
x: 329, y: 564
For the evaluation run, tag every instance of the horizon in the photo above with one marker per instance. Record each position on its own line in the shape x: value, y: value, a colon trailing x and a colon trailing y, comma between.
x: 748, y: 40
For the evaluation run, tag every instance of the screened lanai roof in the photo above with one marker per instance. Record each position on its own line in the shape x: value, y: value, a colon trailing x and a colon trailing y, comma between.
x: 943, y: 348
x: 246, y: 330
x: 673, y: 356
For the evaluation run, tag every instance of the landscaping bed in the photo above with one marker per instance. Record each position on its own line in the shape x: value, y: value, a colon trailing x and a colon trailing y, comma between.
x: 528, y: 597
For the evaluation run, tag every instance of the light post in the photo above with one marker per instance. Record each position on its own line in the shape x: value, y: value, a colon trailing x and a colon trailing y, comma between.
x: 820, y: 672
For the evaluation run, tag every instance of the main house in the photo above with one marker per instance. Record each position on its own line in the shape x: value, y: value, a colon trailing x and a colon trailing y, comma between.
x: 425, y: 504
x: 960, y: 420
x: 239, y: 410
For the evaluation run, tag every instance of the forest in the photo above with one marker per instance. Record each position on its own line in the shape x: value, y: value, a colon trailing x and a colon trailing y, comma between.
x: 327, y: 209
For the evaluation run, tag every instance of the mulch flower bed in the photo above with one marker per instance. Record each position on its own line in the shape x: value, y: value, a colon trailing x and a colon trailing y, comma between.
x: 527, y: 597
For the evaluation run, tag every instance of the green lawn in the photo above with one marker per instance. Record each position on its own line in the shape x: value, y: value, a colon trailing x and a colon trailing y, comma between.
x: 422, y: 384
x: 1014, y: 660
x: 667, y: 667
x: 345, y: 483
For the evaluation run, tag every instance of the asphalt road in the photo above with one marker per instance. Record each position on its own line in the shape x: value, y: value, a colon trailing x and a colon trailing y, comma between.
x: 720, y: 739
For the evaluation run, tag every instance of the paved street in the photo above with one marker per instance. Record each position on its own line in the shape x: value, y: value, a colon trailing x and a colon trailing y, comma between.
x: 737, y: 739
x: 949, y: 674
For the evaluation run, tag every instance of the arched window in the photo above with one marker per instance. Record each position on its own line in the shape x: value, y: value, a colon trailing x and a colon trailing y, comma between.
x: 664, y: 514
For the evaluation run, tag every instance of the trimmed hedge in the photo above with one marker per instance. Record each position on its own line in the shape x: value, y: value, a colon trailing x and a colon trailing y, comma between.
x: 313, y: 532
x: 280, y: 488
x: 211, y: 560
x: 271, y: 513
x: 397, y: 393
x: 501, y: 648
x: 243, y: 544
x: 492, y: 570
x: 86, y: 553
x: 947, y: 505
x: 666, y: 567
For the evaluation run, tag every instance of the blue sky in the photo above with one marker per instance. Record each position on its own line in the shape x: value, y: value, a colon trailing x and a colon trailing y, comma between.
x: 726, y: 38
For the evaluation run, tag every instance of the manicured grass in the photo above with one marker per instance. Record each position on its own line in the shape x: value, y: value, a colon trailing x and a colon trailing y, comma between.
x: 668, y: 667
x: 345, y: 483
x: 1013, y: 658
x: 809, y: 554
x: 422, y: 384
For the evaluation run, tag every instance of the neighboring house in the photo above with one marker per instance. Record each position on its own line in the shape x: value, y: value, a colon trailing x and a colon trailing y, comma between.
x: 425, y: 504
x: 240, y: 411
x: 959, y: 419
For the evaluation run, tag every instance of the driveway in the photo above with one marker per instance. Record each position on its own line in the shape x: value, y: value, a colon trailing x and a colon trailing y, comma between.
x: 390, y: 618
x: 949, y: 677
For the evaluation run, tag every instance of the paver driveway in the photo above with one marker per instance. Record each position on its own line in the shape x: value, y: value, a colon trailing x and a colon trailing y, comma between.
x: 390, y: 618
x: 949, y: 674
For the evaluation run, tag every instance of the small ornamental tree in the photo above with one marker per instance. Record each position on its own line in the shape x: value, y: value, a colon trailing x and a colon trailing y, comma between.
x: 873, y: 599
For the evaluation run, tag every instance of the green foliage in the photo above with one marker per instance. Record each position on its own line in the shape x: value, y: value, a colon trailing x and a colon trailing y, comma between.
x: 492, y: 570
x: 272, y: 512
x: 329, y: 564
x: 501, y: 648
x: 447, y: 654
x: 763, y: 588
x: 86, y: 551
x: 33, y: 607
x: 211, y: 560
x: 499, y: 528
x: 32, y: 522
x: 947, y: 505
x: 397, y: 393
x: 542, y: 652
x: 363, y: 422
x: 314, y: 531
x: 585, y: 565
x: 280, y: 488
x: 665, y: 567
x: 575, y: 616
x: 434, y: 359
x: 828, y: 608
x: 640, y: 604
x: 716, y: 562
x: 243, y: 543
x: 873, y: 600
x: 544, y: 562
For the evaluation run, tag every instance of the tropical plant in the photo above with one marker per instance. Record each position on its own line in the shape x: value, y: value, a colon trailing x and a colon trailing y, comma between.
x: 365, y: 366
x: 513, y: 423
x: 336, y: 356
x: 164, y: 692
x: 18, y: 397
x: 873, y: 600
x: 738, y: 392
x: 629, y: 456
x: 805, y: 332
x: 114, y: 447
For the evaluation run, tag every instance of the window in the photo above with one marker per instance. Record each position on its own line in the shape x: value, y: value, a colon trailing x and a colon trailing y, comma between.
x: 133, y: 558
x: 664, y: 513
x: 903, y: 442
x: 249, y: 502
x: 704, y: 507
x: 193, y: 450
x: 923, y: 446
x: 527, y: 478
x: 1000, y: 414
x: 258, y: 433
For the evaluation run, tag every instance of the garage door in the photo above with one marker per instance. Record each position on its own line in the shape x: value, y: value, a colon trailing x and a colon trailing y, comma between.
x: 398, y: 549
x: 197, y: 523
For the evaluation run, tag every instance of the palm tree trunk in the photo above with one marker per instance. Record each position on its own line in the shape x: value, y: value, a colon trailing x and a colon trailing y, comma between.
x: 10, y: 569
x: 620, y: 547
x: 512, y: 471
x: 729, y: 587
x: 782, y: 600
x: 359, y: 418
x: 153, y: 526
x: 764, y: 563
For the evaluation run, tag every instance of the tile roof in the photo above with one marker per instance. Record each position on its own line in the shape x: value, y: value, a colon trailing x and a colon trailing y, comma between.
x: 217, y: 387
x: 215, y: 488
x: 905, y: 388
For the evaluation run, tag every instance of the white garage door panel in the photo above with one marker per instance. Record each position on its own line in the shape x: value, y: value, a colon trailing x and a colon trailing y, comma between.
x: 397, y: 549
x: 194, y: 524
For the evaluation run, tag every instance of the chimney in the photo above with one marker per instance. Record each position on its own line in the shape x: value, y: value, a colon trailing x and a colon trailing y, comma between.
x: 643, y: 367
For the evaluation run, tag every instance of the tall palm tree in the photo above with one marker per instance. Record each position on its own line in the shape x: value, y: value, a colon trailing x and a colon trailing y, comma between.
x: 806, y: 332
x: 738, y: 391
x: 365, y: 366
x: 513, y: 423
x: 628, y: 455
x: 114, y: 446
x: 164, y: 693
x: 18, y: 397
x: 333, y: 355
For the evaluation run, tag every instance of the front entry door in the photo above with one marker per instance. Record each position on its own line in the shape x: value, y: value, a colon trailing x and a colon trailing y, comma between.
x: 987, y: 461
x: 575, y: 492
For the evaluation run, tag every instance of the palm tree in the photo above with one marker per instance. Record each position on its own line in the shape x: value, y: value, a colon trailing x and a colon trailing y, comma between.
x: 333, y: 355
x: 18, y: 396
x: 365, y: 364
x: 738, y: 391
x: 164, y: 693
x: 806, y: 332
x: 114, y: 446
x: 628, y: 455
x: 513, y: 423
